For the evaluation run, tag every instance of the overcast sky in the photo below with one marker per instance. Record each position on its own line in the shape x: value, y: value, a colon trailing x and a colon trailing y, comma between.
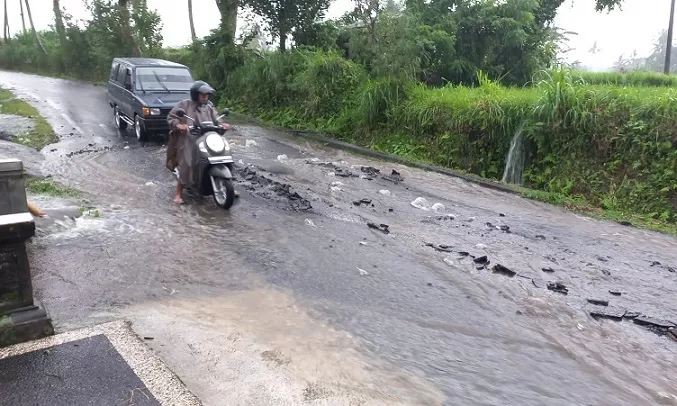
x: 620, y: 32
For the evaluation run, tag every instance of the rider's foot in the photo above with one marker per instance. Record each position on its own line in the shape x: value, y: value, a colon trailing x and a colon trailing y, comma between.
x: 178, y: 200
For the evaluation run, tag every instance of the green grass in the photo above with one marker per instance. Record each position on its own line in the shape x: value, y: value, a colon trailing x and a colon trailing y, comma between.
x: 40, y: 136
x: 49, y: 187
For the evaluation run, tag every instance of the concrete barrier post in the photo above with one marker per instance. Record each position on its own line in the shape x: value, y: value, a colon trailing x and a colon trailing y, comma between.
x: 21, y: 317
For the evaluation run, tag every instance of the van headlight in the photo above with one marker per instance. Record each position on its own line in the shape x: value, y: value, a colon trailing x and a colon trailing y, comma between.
x: 215, y: 143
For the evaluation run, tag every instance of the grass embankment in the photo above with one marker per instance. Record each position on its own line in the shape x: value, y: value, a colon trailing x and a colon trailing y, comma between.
x: 602, y: 149
x: 38, y: 137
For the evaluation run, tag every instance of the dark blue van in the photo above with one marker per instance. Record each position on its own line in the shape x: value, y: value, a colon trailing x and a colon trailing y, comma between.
x: 142, y: 91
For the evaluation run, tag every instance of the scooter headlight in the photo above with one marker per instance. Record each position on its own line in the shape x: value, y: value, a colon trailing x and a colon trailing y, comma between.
x: 215, y: 143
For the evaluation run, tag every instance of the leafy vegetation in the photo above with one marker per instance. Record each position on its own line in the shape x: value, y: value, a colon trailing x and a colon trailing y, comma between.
x: 49, y: 187
x: 39, y: 136
x: 448, y: 82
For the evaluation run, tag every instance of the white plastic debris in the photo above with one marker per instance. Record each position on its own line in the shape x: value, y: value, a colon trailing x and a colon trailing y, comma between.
x: 150, y: 184
x: 480, y: 246
x: 362, y: 272
x: 449, y: 261
x: 363, y: 243
x: 331, y: 174
x: 337, y: 183
x: 251, y: 143
x: 438, y: 207
x: 336, y: 189
x: 310, y: 223
x: 126, y: 146
x: 282, y: 157
x: 384, y: 192
x: 421, y: 203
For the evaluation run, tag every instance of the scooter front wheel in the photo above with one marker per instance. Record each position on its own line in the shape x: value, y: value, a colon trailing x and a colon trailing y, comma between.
x: 224, y: 192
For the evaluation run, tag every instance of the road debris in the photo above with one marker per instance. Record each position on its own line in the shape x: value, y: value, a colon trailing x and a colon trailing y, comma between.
x: 361, y: 202
x: 598, y: 302
x: 558, y: 287
x: 503, y: 270
x: 384, y: 228
x: 608, y: 313
x: 439, y: 248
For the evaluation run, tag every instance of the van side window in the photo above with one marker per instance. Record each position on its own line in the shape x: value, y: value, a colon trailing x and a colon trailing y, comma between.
x: 114, y: 71
x: 121, y: 74
x: 128, y: 78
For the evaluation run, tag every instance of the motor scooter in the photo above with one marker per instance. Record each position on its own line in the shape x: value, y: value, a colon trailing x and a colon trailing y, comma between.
x: 216, y: 162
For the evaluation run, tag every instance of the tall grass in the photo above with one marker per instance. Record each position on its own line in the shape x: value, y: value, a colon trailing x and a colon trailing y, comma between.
x: 634, y: 78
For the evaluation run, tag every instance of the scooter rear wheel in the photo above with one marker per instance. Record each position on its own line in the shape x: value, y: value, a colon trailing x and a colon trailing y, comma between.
x: 224, y: 192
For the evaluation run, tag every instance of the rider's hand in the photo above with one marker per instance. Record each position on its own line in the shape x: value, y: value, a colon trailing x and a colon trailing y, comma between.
x: 226, y: 126
x: 182, y: 127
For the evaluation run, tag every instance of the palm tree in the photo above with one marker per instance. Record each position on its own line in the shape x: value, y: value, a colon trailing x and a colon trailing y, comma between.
x: 192, y: 23
x: 5, y: 28
x: 35, y: 33
x: 23, y: 21
x: 58, y: 19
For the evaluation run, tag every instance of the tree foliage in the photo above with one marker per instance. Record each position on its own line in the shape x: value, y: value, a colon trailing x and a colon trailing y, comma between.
x: 290, y: 17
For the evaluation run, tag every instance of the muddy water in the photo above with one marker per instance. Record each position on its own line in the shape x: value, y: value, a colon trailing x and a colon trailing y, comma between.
x: 318, y: 287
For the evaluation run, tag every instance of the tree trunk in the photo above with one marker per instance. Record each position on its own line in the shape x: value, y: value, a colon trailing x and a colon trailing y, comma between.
x: 60, y: 28
x: 5, y: 27
x: 283, y: 41
x: 35, y: 33
x: 23, y: 20
x: 228, y: 10
x: 192, y: 23
x: 130, y: 43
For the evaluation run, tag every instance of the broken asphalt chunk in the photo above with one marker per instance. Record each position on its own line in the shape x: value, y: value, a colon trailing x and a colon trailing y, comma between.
x: 393, y: 177
x: 631, y: 315
x: 616, y: 292
x: 598, y: 302
x: 384, y: 228
x: 547, y: 270
x: 440, y: 248
x: 558, y: 287
x: 483, y: 260
x: 613, y: 313
x: 503, y: 270
x: 362, y: 201
x: 370, y: 172
x: 653, y: 323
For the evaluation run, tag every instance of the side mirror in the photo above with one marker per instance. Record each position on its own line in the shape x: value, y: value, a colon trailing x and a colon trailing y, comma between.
x: 180, y: 113
x: 226, y: 111
x: 128, y: 86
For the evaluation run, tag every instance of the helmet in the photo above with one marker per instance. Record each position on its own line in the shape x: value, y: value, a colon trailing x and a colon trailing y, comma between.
x: 200, y: 87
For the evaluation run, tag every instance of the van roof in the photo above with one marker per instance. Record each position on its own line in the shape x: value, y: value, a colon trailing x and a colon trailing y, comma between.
x: 149, y: 62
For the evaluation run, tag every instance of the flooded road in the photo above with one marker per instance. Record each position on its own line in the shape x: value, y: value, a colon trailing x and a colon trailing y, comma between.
x: 273, y: 304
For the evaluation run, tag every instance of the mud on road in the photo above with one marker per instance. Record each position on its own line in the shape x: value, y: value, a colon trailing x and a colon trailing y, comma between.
x: 341, y: 280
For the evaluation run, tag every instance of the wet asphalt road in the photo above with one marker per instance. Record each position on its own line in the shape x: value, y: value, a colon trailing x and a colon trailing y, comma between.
x: 237, y: 300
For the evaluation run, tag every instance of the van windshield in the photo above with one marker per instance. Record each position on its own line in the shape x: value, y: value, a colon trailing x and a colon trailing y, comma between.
x: 163, y: 79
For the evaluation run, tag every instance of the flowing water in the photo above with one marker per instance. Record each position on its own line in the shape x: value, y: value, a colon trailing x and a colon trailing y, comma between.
x: 267, y: 287
x: 514, y: 165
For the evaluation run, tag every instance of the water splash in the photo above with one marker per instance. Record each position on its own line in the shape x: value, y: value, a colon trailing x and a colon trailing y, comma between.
x: 514, y: 165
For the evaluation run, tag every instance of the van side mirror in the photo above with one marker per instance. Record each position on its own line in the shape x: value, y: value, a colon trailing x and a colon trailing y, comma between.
x: 128, y: 86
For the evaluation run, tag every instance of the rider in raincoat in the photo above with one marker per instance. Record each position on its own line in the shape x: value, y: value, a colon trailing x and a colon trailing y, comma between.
x: 182, y: 150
